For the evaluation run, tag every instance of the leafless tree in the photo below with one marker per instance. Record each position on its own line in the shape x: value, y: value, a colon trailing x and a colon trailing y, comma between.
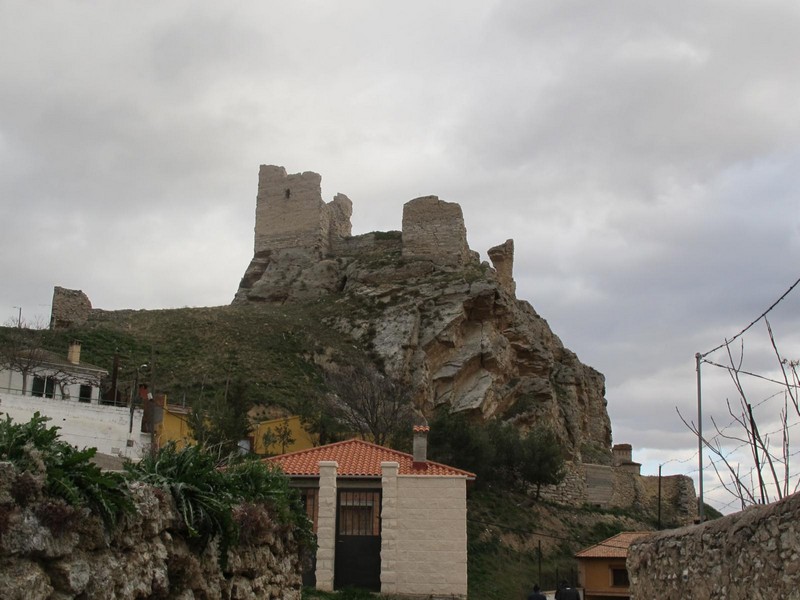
x: 769, y: 477
x: 21, y: 350
x: 370, y: 403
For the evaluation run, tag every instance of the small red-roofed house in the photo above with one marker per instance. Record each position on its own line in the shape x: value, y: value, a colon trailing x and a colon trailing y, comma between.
x: 385, y: 520
x: 601, y: 568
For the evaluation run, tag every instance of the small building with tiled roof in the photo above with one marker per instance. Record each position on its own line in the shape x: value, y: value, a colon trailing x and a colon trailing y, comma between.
x: 602, y: 572
x: 385, y: 520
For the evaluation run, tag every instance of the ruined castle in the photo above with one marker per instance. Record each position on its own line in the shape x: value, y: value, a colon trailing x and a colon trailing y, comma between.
x: 298, y: 238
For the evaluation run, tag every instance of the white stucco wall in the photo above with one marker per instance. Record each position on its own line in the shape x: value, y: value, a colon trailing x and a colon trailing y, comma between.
x: 107, y: 428
x: 424, y: 534
x: 11, y: 382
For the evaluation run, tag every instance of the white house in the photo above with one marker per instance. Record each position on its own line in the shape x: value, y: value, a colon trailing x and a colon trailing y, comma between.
x: 67, y: 391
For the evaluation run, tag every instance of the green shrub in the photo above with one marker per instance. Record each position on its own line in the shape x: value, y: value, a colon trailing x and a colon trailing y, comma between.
x: 69, y: 473
x: 206, y: 487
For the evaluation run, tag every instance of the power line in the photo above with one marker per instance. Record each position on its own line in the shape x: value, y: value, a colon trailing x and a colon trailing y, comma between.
x: 764, y: 314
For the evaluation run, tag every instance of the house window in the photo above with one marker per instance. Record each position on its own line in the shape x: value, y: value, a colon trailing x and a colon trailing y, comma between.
x: 308, y: 496
x: 619, y: 578
x: 43, y: 387
x: 359, y: 513
x: 85, y: 394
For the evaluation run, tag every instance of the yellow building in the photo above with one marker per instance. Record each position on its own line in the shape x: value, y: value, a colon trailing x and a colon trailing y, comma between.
x: 601, y: 568
x: 287, y: 433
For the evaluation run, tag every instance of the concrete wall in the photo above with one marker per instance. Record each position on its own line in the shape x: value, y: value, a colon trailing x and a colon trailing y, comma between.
x: 108, y: 428
x: 424, y: 535
x: 751, y: 555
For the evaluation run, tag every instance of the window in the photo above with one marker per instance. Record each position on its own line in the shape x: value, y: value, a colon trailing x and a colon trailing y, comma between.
x: 619, y: 577
x: 308, y: 496
x: 85, y: 394
x: 43, y: 387
x: 359, y: 513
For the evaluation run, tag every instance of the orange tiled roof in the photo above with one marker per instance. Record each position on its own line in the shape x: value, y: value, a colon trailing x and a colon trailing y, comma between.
x: 613, y: 547
x: 357, y: 458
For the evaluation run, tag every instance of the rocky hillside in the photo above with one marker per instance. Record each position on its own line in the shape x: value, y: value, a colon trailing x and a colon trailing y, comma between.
x: 431, y: 314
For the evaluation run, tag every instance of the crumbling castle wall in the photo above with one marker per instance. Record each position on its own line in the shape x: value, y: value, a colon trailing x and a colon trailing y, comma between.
x: 749, y: 555
x: 70, y: 308
x: 435, y: 230
x: 290, y: 212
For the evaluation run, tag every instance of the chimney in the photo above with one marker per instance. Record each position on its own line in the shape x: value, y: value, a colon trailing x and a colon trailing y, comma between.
x: 421, y: 446
x: 74, y: 352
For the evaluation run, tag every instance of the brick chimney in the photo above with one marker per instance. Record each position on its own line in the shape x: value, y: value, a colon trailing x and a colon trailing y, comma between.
x: 421, y: 446
x: 74, y: 352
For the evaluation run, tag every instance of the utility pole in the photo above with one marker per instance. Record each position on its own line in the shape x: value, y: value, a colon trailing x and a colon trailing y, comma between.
x: 700, y: 513
x: 659, y: 497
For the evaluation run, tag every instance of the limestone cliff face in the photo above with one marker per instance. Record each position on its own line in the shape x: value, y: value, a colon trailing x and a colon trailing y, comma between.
x: 438, y: 319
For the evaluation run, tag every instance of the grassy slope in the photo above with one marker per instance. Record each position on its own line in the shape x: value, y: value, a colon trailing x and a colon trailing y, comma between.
x: 273, y: 348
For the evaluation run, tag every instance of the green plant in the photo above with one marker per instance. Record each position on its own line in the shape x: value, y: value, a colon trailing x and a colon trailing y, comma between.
x: 206, y: 487
x: 69, y: 473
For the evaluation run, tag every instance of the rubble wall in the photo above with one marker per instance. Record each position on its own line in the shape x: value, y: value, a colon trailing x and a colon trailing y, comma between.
x: 147, y: 557
x: 751, y: 555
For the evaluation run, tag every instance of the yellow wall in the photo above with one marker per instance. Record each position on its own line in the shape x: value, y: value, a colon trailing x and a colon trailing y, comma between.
x: 595, y: 575
x: 302, y: 439
x: 175, y: 428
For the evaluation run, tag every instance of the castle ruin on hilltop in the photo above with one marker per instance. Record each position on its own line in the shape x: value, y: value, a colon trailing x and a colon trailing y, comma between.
x: 297, y: 235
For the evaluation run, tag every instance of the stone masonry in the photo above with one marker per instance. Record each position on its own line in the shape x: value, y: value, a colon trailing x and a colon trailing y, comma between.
x: 47, y: 557
x: 751, y: 555
x: 70, y: 308
x: 435, y: 230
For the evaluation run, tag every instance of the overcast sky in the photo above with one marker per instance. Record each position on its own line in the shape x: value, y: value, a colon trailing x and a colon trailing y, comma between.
x: 644, y: 157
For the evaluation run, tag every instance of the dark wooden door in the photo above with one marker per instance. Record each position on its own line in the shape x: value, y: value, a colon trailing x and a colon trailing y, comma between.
x: 358, y: 540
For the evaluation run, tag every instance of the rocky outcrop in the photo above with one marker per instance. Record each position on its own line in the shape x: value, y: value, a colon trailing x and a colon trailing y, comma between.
x: 51, y: 551
x: 439, y: 320
x: 502, y: 258
x: 751, y: 554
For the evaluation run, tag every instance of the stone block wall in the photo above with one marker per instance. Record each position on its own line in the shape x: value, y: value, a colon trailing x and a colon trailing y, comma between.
x: 424, y: 535
x: 751, y: 555
x: 290, y: 212
x: 435, y: 230
x: 147, y: 557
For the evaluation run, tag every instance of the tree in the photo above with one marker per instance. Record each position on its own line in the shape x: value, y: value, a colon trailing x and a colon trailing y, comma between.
x: 370, y: 403
x: 497, y: 452
x: 21, y: 351
x: 769, y: 478
x: 222, y: 420
x: 542, y: 459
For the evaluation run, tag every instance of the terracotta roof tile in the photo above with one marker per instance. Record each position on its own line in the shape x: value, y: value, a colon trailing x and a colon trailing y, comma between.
x: 357, y: 458
x: 613, y: 547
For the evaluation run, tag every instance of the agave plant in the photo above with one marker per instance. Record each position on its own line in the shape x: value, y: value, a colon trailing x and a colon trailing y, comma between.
x: 69, y: 473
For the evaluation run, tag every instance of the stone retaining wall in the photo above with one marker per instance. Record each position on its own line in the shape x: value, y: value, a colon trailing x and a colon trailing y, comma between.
x: 752, y: 555
x: 147, y: 557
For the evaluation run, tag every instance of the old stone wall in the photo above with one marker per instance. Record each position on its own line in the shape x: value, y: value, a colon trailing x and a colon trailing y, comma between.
x: 47, y: 554
x: 751, y: 555
x: 435, y: 230
x: 290, y: 212
x: 70, y: 307
x: 615, y: 487
x: 572, y: 491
